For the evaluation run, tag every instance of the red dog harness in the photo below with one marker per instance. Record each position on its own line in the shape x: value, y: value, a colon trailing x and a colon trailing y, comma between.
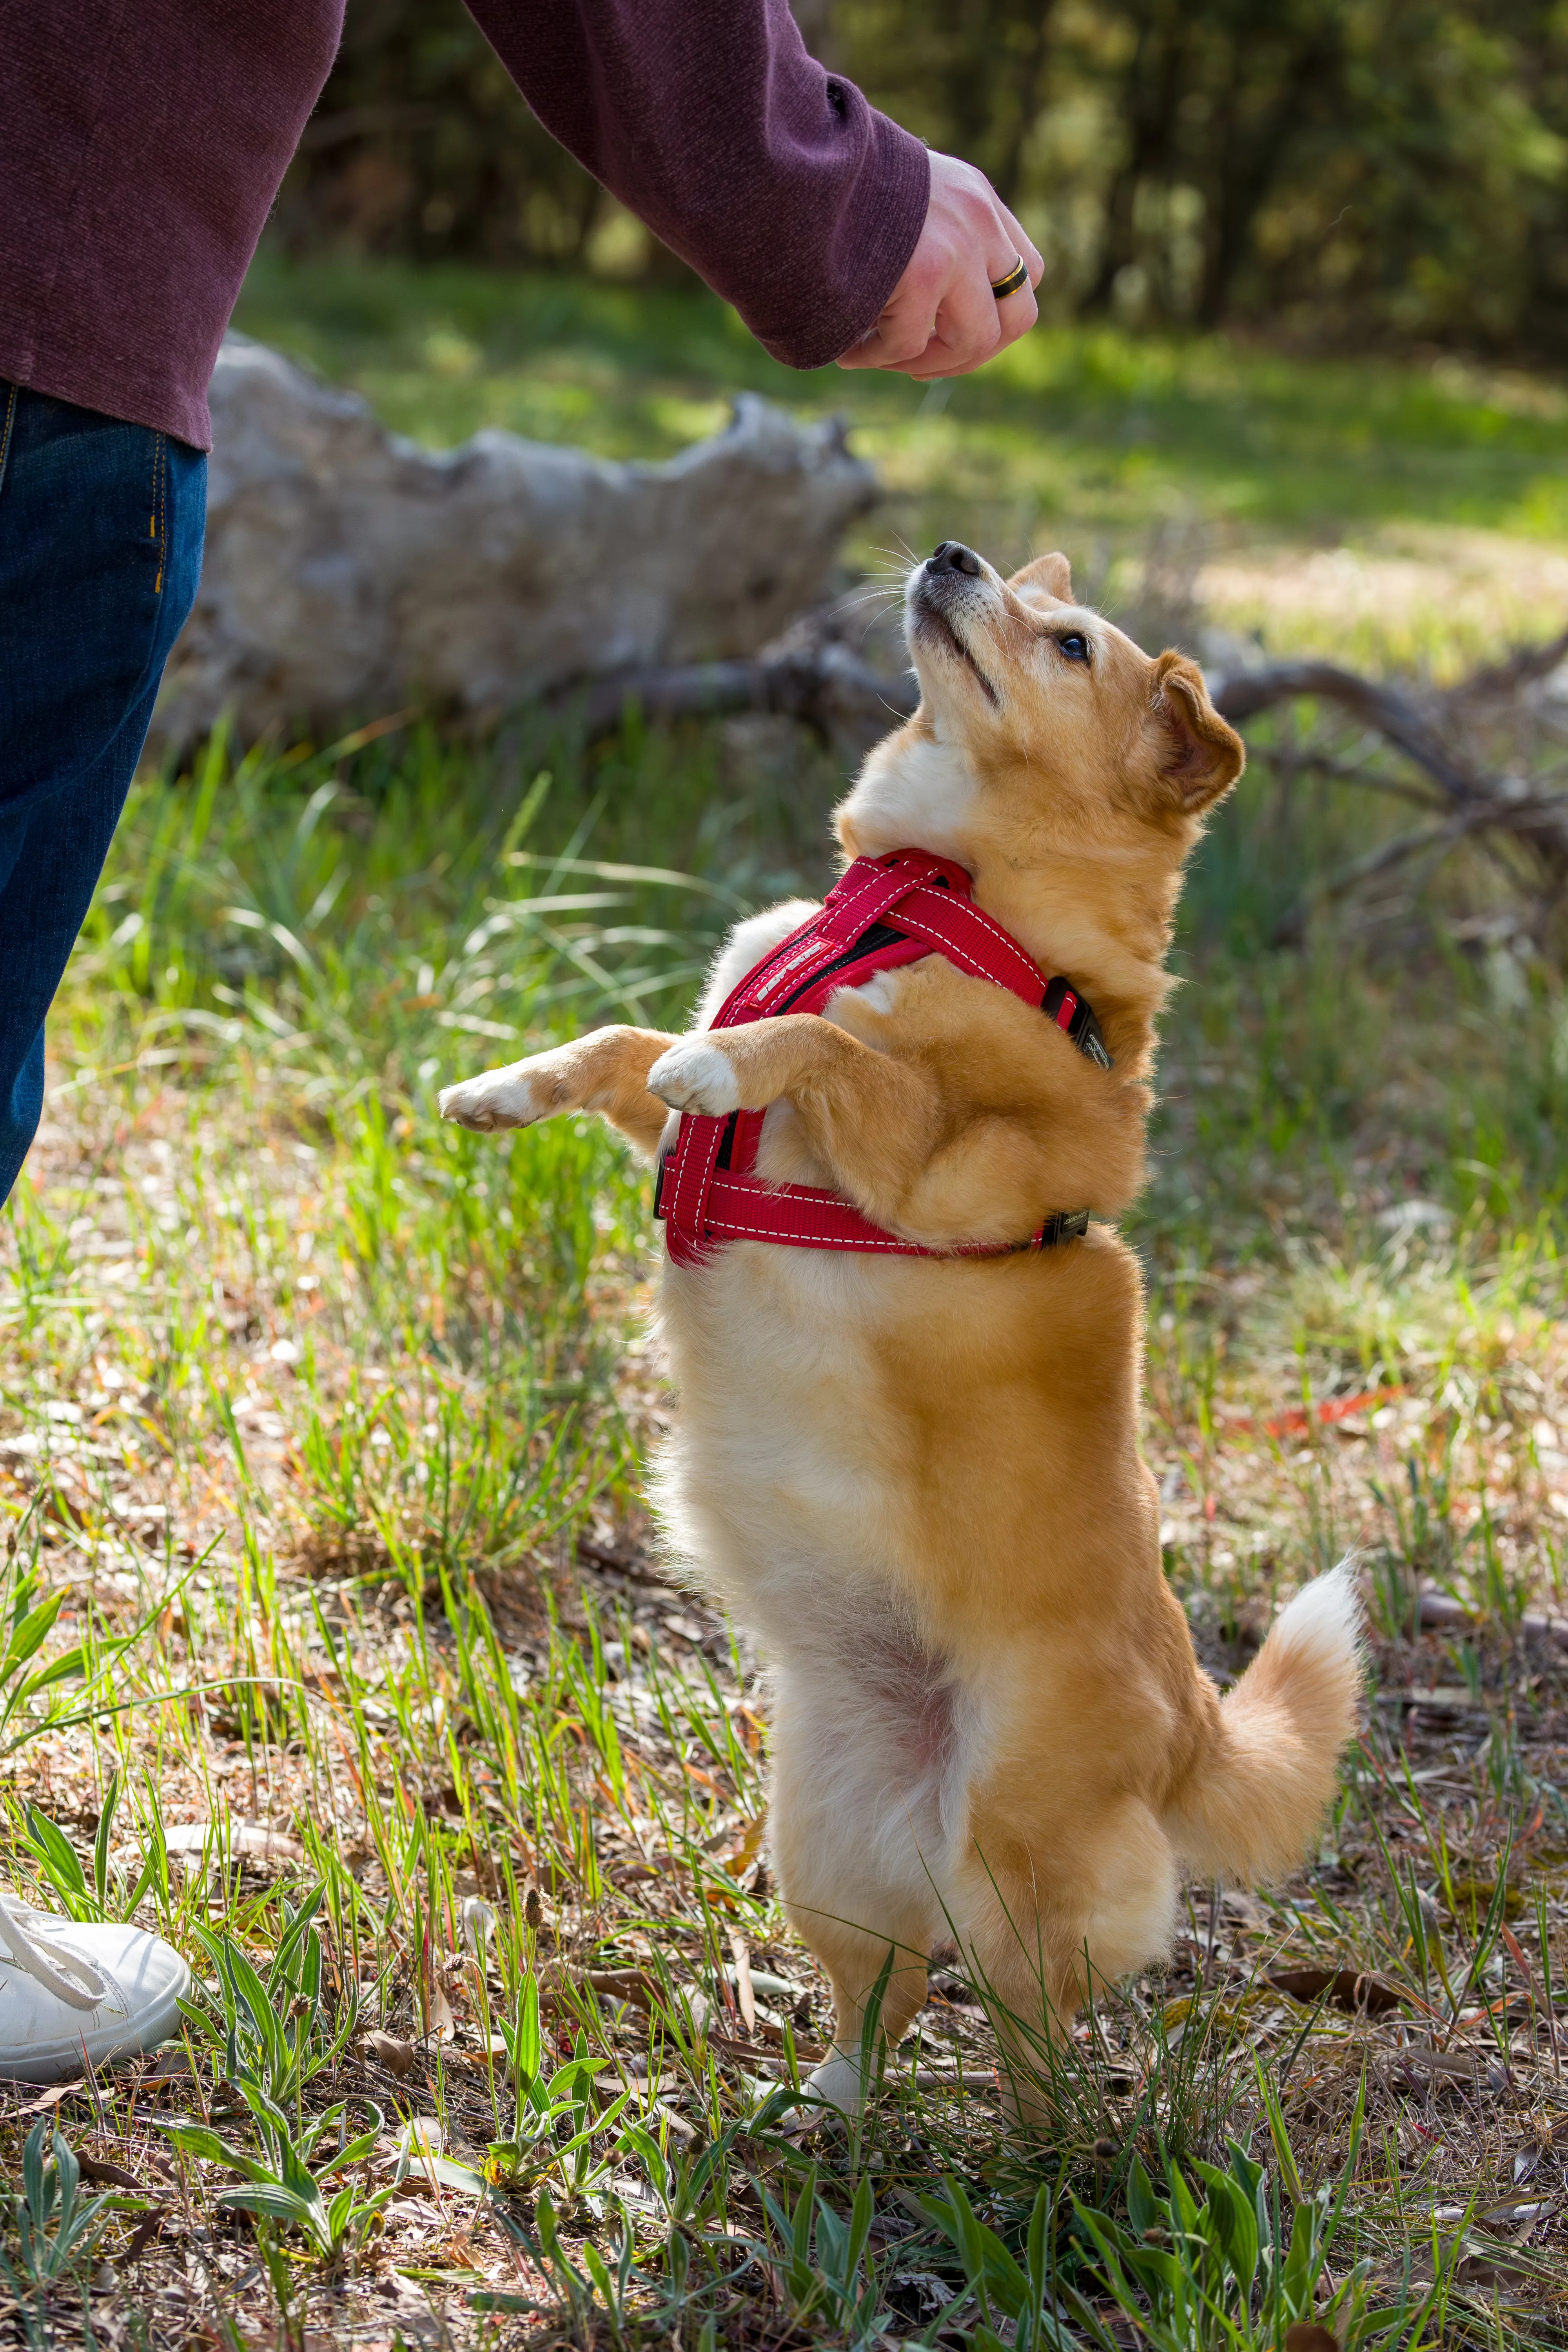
x: 886, y: 911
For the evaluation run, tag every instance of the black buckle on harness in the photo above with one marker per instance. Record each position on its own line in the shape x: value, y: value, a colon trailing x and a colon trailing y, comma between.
x: 1062, y: 999
x: 1067, y: 1225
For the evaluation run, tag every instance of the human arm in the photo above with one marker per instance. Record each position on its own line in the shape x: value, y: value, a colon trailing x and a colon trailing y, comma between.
x: 773, y: 178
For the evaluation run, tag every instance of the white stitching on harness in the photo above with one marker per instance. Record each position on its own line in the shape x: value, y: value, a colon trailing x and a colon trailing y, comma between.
x: 1011, y: 945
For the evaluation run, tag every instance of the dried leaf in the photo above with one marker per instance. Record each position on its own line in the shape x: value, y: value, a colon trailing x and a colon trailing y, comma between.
x: 1345, y: 1988
x: 173, y: 2066
x: 745, y: 1854
x: 246, y: 1841
x: 612, y: 2080
x: 146, y: 2230
x: 1295, y: 1423
x: 621, y: 1984
x: 729, y: 2045
x: 745, y: 1996
x: 397, y: 2056
x: 107, y: 2176
x: 1309, y: 2335
x: 52, y: 2097
x: 439, y: 2022
x: 422, y: 2139
x: 1419, y: 2068
x: 1480, y: 2267
x: 702, y: 2010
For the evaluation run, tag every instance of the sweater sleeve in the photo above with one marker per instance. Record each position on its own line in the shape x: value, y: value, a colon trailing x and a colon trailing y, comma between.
x: 709, y: 119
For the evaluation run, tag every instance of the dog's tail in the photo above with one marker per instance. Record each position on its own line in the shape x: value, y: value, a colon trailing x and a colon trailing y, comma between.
x: 1260, y: 1787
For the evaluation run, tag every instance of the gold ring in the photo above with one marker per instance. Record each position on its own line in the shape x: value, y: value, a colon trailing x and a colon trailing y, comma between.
x: 1018, y: 276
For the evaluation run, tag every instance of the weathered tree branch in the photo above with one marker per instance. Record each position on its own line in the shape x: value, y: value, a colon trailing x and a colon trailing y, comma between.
x: 825, y: 688
x: 1242, y: 694
x: 1521, y: 667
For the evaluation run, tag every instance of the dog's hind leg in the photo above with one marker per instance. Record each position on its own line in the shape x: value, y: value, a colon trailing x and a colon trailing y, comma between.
x: 1055, y: 1900
x: 857, y: 1840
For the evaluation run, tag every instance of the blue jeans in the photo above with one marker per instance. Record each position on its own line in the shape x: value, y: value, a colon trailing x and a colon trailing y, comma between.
x: 101, y: 551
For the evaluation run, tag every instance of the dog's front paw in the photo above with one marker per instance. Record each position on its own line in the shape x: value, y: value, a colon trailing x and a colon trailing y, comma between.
x: 697, y: 1077
x: 495, y: 1098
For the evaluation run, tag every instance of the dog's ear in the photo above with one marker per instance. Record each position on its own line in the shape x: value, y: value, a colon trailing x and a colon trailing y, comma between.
x: 1047, y: 581
x: 1198, y: 754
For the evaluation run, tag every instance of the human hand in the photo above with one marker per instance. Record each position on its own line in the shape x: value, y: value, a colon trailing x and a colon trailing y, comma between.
x: 942, y: 318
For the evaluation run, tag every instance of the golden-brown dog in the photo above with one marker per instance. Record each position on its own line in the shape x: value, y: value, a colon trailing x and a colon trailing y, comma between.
x: 918, y: 1480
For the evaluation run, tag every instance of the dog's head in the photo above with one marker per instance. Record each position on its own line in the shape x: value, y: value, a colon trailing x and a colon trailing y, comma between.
x: 1046, y: 749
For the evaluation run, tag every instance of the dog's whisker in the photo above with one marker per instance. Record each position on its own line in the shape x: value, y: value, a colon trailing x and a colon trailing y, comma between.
x: 902, y: 554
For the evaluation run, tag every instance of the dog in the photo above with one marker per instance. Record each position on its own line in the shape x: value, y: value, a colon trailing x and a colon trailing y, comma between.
x: 916, y: 1478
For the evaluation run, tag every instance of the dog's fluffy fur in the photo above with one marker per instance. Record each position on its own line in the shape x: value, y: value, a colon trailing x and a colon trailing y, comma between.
x: 918, y: 1482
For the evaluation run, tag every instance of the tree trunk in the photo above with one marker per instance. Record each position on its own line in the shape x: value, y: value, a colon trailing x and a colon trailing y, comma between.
x: 1010, y: 165
x: 1153, y: 87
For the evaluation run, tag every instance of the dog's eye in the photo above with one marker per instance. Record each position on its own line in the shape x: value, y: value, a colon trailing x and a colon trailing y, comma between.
x: 1075, y: 647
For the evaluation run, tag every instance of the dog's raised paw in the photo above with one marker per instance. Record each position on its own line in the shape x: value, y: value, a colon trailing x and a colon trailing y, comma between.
x: 695, y: 1076
x: 495, y: 1098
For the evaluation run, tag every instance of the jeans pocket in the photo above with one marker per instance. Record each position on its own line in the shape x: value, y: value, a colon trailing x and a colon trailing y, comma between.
x: 100, y: 526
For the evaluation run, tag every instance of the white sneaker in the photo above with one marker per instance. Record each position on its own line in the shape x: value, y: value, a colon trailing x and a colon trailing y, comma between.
x: 73, y: 1996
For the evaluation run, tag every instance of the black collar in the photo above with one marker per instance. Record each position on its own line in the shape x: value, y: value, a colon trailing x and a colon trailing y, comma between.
x: 1075, y: 1014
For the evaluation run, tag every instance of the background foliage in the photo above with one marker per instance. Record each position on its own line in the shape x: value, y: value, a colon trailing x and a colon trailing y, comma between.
x: 1340, y: 168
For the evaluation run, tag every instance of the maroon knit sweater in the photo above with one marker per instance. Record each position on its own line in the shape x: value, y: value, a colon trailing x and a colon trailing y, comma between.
x: 141, y: 143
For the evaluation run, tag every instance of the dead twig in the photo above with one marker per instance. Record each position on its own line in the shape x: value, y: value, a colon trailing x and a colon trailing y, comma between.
x: 1505, y: 808
x: 825, y: 688
x: 1442, y: 1609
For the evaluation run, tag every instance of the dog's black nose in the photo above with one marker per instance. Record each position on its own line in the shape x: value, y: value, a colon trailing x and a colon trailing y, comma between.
x: 954, y: 556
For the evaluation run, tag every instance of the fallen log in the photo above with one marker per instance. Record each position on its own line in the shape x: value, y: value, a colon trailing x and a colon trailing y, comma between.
x: 825, y: 688
x: 1478, y: 802
x: 349, y: 572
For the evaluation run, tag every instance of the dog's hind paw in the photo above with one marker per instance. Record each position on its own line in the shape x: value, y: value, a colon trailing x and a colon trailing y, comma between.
x: 696, y: 1076
x: 495, y: 1098
x: 838, y: 2080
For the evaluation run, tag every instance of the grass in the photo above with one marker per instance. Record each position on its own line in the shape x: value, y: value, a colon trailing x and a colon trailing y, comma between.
x: 323, y: 1429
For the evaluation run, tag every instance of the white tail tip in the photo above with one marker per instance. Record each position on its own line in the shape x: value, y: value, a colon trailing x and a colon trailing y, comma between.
x: 1325, y: 1620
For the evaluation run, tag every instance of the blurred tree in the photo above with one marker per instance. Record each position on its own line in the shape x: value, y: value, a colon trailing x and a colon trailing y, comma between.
x: 1212, y: 101
x: 423, y: 145
x: 1407, y: 187
x: 964, y: 75
x: 1341, y: 169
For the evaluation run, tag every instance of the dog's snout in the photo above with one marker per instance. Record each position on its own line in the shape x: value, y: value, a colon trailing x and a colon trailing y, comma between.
x: 954, y: 556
